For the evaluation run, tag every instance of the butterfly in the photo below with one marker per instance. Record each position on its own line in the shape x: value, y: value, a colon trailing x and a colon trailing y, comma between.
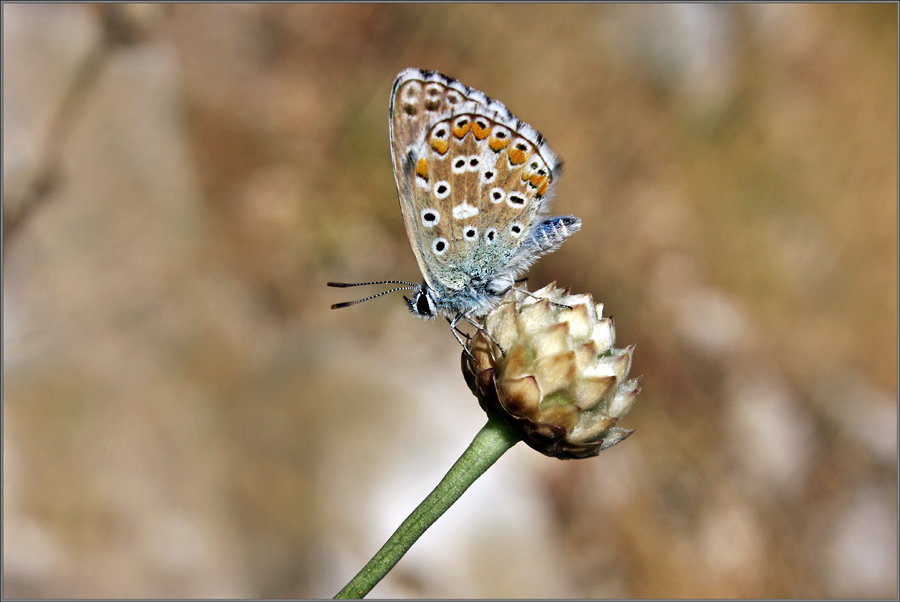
x: 474, y: 184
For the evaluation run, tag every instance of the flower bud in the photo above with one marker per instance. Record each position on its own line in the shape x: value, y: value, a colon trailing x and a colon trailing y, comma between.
x: 556, y: 380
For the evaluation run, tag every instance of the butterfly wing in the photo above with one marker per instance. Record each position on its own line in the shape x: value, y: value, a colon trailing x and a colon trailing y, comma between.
x: 473, y: 180
x: 419, y: 100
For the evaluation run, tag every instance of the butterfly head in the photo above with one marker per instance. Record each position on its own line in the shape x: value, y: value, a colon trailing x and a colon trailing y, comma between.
x: 422, y: 304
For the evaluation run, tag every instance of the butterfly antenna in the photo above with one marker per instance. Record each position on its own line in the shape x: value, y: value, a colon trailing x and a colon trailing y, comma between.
x: 349, y: 284
x: 349, y: 303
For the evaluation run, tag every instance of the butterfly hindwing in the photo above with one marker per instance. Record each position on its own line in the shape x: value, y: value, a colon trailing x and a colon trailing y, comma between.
x: 473, y: 179
x: 474, y: 184
x: 478, y: 192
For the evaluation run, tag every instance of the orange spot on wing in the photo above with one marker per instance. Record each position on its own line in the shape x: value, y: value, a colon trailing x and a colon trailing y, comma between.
x: 543, y: 189
x: 537, y: 180
x: 498, y: 144
x: 440, y: 146
x: 480, y: 132
x: 462, y: 130
x: 517, y: 156
x: 422, y: 168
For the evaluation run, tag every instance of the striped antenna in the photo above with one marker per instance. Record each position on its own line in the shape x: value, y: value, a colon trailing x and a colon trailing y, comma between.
x: 409, y: 286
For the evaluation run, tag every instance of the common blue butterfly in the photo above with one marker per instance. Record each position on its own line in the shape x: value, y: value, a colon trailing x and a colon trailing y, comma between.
x: 474, y: 185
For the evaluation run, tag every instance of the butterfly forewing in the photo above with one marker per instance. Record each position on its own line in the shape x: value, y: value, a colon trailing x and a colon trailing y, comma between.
x: 418, y: 101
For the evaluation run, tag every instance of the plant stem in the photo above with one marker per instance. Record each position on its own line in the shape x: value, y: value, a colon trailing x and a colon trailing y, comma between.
x: 489, y: 444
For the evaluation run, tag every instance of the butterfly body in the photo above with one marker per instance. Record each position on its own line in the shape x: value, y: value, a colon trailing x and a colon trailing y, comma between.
x: 474, y: 183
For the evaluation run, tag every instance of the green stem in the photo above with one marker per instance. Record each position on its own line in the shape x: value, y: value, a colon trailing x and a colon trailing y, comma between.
x: 489, y: 444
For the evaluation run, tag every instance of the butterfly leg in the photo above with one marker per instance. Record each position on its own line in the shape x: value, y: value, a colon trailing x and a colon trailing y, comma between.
x: 533, y: 296
x: 486, y: 333
x: 457, y: 332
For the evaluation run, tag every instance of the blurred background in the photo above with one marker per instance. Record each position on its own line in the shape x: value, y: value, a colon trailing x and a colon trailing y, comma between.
x: 184, y: 416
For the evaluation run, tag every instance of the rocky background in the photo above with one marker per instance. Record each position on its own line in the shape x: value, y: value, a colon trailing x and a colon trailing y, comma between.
x: 184, y: 416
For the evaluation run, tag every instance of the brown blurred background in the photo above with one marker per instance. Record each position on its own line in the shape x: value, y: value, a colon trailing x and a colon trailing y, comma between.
x: 184, y: 416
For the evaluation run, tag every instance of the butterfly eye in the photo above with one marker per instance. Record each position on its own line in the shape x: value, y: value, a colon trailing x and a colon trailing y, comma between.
x: 430, y: 217
x: 470, y: 233
x: 439, y: 246
x: 442, y: 189
x: 423, y: 305
x: 497, y: 195
x: 516, y: 229
x: 515, y: 200
x: 490, y: 235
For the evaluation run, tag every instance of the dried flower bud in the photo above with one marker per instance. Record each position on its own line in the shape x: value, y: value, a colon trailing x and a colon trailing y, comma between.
x: 558, y: 383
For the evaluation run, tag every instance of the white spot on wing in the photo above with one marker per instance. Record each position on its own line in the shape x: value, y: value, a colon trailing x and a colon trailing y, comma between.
x: 464, y: 210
